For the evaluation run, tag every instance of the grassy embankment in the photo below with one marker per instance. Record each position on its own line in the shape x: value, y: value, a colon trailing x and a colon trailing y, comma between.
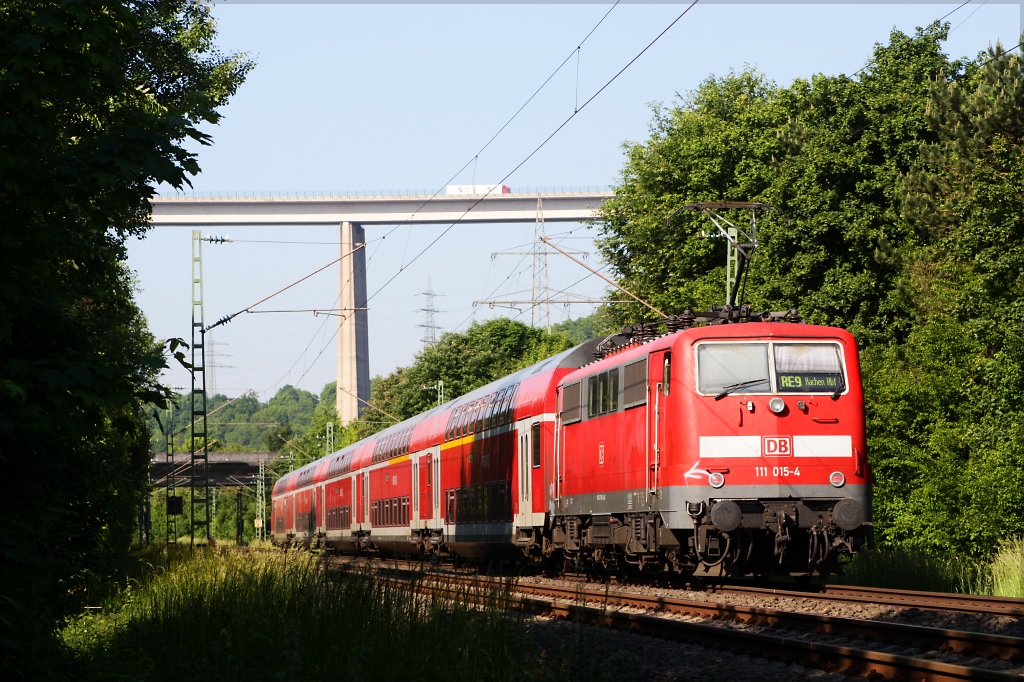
x: 913, y: 570
x: 237, y: 615
x: 230, y: 614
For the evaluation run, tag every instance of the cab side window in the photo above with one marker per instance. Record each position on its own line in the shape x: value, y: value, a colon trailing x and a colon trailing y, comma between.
x: 603, y: 393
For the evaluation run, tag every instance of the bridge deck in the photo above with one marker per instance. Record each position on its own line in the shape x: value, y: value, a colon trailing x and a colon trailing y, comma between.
x: 375, y: 210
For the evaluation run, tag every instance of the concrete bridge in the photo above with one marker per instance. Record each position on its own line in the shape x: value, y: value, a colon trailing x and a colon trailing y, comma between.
x: 352, y: 214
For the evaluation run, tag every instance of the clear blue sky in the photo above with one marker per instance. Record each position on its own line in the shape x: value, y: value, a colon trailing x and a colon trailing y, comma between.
x: 379, y: 97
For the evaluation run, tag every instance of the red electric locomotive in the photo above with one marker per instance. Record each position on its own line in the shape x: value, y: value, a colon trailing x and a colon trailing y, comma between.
x: 737, y: 447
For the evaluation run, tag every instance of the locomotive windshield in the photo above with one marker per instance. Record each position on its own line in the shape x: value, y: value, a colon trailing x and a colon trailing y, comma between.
x: 733, y: 367
x: 808, y: 368
x: 726, y: 368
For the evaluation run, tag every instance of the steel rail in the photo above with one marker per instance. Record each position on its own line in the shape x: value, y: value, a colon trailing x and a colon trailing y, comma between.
x: 599, y: 605
x: 847, y: 660
x: 964, y: 603
x: 942, y: 601
x: 968, y: 643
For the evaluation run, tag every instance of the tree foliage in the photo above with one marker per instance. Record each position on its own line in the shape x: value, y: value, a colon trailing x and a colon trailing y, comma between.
x: 946, y: 417
x: 242, y: 424
x: 903, y: 190
x: 828, y: 152
x: 97, y: 98
x: 586, y: 328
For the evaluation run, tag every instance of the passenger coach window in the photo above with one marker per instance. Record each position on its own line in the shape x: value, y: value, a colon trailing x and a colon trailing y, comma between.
x: 536, y: 444
x: 480, y: 413
x: 736, y: 367
x: 808, y: 368
x: 448, y: 429
x: 491, y: 409
x: 506, y: 406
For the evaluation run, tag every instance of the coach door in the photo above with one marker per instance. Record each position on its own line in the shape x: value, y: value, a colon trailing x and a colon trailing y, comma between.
x: 354, y: 510
x: 524, y: 517
x: 434, y: 481
x: 322, y: 511
x: 659, y: 379
x: 314, y: 497
x: 415, y: 520
x: 366, y: 498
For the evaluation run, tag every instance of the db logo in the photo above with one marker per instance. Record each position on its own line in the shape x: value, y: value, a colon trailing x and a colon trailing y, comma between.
x: 777, y: 446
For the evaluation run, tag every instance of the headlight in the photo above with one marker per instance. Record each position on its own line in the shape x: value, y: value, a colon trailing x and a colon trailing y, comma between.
x: 777, y: 405
x: 716, y: 479
x: 837, y: 479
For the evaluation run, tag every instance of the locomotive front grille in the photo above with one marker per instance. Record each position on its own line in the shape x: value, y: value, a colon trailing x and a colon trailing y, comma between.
x: 820, y: 505
x: 750, y: 506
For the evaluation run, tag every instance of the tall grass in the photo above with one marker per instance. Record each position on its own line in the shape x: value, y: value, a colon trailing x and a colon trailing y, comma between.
x: 911, y: 569
x: 234, y: 615
x: 1008, y: 569
x: 914, y: 569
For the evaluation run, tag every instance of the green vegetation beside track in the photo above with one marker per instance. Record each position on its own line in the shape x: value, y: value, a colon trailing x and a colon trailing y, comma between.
x: 1002, y: 575
x: 245, y: 615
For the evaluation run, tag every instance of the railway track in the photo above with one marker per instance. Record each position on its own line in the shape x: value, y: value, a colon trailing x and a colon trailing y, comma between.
x: 799, y: 643
x: 970, y: 643
x: 963, y: 603
x: 943, y: 601
x: 876, y: 649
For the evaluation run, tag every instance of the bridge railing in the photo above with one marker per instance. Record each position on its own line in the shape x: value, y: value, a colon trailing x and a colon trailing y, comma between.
x: 566, y: 190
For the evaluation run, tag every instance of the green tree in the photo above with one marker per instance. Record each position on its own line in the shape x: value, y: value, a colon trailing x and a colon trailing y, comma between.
x: 224, y: 528
x: 946, y: 419
x: 97, y: 98
x: 829, y: 152
x: 582, y: 329
x: 312, y: 444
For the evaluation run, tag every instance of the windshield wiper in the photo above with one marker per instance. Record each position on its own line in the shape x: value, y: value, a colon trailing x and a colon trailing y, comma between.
x: 839, y: 391
x: 726, y: 390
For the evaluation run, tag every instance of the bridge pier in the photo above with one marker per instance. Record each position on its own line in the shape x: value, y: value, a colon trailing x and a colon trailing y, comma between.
x: 353, y: 393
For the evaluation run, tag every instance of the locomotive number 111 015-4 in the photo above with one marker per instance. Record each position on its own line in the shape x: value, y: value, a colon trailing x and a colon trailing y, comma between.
x: 776, y: 471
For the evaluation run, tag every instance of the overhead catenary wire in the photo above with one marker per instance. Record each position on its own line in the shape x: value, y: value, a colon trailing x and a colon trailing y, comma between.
x: 1000, y: 54
x: 539, y: 147
x: 577, y: 110
x: 610, y: 281
x: 214, y: 411
x: 228, y: 318
x: 955, y: 10
x: 487, y: 144
x: 944, y: 17
x: 968, y: 17
x: 562, y: 291
x: 515, y: 270
x: 369, y: 404
x: 307, y: 310
x: 305, y: 350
